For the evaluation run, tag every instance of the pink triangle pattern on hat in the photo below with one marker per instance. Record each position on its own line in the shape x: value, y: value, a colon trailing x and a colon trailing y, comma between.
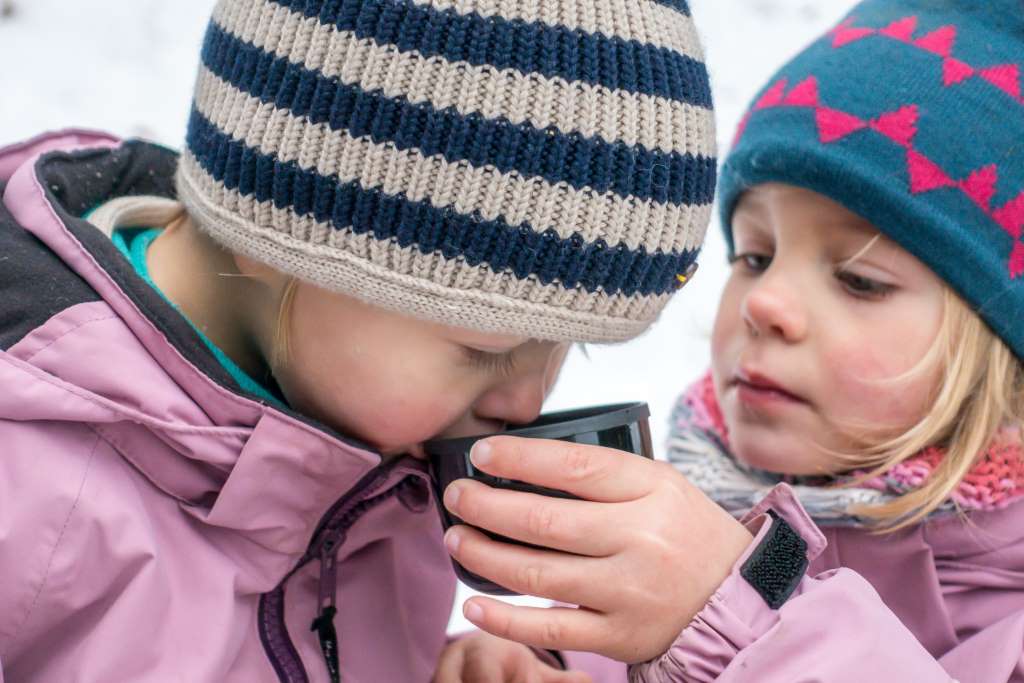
x: 939, y: 42
x: 900, y: 127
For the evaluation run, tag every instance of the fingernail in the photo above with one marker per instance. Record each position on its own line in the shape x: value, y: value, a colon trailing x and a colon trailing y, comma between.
x: 451, y: 541
x: 473, y: 611
x: 481, y: 453
x: 451, y: 496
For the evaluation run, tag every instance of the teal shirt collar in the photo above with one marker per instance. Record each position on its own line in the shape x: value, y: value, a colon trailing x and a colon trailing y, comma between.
x: 134, y: 243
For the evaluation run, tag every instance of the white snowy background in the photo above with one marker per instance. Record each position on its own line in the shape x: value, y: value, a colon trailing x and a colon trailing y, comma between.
x: 127, y: 66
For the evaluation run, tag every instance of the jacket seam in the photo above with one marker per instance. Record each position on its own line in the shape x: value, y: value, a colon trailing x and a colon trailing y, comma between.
x: 112, y: 441
x: 16, y: 631
x: 77, y: 327
x: 141, y: 417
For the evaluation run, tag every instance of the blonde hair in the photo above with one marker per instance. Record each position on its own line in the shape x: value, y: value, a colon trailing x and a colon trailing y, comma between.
x: 980, y: 390
x: 281, y: 352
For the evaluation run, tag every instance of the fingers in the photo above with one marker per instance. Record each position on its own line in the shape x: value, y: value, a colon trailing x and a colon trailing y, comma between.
x: 590, y: 472
x: 530, y: 571
x: 449, y: 669
x: 482, y: 658
x: 549, y: 675
x: 573, y: 526
x: 552, y: 628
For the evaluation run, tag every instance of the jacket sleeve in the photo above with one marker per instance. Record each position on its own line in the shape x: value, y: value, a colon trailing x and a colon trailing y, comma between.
x: 832, y: 628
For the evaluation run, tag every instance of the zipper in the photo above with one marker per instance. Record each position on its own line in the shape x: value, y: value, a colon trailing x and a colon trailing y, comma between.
x: 327, y: 539
x: 323, y: 624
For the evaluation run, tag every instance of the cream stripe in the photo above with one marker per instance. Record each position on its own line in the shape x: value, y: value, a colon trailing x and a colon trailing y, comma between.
x: 469, y: 190
x: 406, y: 280
x: 640, y: 20
x: 592, y: 111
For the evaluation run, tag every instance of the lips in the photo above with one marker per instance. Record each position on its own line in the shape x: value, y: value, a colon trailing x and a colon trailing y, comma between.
x: 762, y: 386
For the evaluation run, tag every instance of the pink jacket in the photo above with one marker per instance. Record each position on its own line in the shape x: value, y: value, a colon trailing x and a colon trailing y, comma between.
x: 157, y: 524
x: 942, y: 601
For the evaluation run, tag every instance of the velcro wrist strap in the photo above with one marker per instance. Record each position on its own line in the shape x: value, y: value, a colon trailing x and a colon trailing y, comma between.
x: 777, y: 565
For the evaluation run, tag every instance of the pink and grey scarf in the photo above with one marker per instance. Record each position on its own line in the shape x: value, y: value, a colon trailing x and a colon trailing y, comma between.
x: 699, y: 448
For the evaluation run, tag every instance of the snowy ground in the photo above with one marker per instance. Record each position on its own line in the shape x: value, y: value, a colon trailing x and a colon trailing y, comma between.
x: 127, y: 66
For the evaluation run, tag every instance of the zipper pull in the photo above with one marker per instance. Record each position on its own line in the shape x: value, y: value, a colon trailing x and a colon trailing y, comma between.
x: 324, y: 622
x: 324, y: 627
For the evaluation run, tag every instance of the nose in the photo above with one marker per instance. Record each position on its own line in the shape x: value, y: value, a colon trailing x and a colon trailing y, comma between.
x: 775, y: 307
x: 515, y: 401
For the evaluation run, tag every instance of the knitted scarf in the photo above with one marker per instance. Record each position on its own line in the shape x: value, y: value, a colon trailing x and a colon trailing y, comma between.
x: 699, y: 448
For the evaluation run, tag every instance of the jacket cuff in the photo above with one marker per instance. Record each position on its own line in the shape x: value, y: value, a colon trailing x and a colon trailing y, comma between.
x: 744, y: 606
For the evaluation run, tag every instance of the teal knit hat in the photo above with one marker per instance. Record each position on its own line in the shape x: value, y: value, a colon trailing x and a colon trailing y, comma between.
x: 910, y: 115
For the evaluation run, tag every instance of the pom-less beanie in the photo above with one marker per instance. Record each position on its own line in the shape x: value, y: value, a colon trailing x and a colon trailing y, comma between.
x: 534, y: 167
x: 910, y: 114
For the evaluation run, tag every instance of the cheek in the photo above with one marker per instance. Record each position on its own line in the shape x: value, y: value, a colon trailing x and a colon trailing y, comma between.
x: 864, y: 381
x: 388, y: 405
x: 367, y: 382
x: 728, y: 329
x: 397, y: 422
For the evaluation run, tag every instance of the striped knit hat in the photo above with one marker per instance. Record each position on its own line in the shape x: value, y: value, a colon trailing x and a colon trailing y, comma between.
x: 910, y: 114
x: 533, y: 167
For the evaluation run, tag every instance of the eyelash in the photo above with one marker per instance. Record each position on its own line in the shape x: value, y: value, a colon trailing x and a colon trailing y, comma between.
x: 856, y: 285
x: 502, y: 363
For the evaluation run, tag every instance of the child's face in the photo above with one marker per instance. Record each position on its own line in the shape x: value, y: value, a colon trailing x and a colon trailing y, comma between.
x: 803, y: 345
x: 395, y: 382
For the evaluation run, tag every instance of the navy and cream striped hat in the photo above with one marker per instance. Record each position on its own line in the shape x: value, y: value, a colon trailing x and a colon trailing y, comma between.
x: 533, y: 167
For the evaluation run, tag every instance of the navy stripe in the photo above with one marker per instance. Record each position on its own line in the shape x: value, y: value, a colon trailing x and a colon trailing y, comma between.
x: 530, y: 47
x: 680, y: 6
x: 572, y: 262
x: 625, y: 170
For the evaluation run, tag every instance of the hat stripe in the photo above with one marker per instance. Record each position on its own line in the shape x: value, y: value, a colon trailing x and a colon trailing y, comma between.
x: 680, y: 6
x: 648, y: 21
x: 530, y: 47
x: 581, y: 162
x: 520, y: 250
x: 592, y: 111
x: 483, y: 191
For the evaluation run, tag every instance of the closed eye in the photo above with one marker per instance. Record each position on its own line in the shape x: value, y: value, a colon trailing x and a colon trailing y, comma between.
x: 502, y: 363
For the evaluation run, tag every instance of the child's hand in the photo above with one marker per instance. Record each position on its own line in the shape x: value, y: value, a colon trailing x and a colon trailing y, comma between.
x: 482, y: 658
x: 640, y: 561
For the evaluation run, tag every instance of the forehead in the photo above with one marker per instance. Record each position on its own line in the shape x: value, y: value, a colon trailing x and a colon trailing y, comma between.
x: 776, y: 207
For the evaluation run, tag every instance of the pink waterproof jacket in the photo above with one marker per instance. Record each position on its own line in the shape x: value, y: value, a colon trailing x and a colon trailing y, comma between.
x: 158, y: 524
x: 942, y: 601
x: 155, y: 523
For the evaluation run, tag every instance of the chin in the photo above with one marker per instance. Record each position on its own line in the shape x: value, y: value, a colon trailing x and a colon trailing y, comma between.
x: 779, y: 456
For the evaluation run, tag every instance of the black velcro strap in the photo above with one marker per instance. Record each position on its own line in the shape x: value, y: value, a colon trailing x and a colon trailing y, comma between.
x: 777, y: 564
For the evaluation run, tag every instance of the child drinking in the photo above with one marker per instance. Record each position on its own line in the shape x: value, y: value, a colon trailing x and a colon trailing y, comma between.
x: 389, y: 221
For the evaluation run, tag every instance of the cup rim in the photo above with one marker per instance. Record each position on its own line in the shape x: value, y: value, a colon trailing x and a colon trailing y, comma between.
x: 555, y: 425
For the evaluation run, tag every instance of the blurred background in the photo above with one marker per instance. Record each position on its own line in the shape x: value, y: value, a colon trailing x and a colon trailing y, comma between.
x: 127, y: 66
